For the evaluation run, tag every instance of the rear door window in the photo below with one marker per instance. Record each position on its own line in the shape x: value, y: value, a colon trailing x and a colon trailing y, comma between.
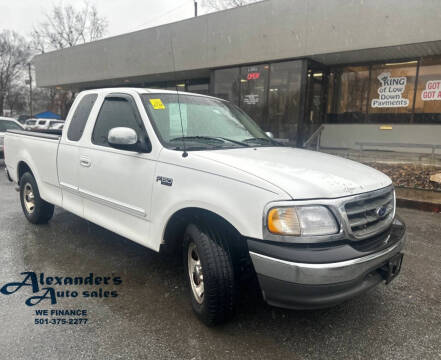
x: 80, y: 116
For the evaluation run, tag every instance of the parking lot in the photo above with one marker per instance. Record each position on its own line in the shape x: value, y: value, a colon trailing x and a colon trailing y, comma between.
x: 151, y: 316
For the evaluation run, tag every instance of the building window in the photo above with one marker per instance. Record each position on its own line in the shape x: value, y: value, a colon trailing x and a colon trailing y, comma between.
x: 198, y: 86
x: 428, y: 95
x: 348, y: 94
x: 284, y: 99
x: 226, y: 84
x: 377, y: 93
x: 392, y: 90
x: 253, y: 93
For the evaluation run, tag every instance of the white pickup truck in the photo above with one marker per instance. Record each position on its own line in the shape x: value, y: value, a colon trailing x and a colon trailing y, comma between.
x: 192, y: 173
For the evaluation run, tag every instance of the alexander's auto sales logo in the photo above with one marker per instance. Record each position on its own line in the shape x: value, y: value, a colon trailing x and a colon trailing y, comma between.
x: 50, y: 289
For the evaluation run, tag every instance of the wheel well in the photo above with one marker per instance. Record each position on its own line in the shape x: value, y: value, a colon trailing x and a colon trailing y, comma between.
x: 174, y: 231
x: 21, y: 169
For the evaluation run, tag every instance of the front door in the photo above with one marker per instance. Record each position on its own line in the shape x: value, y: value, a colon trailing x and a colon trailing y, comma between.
x: 315, y: 100
x: 116, y: 184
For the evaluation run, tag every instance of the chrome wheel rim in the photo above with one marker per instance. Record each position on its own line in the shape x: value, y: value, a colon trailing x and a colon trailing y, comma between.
x: 195, y: 273
x: 29, y: 198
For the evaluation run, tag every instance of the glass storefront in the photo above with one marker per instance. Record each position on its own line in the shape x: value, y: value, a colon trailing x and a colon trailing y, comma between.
x: 392, y: 90
x: 253, y: 93
x: 226, y: 84
x: 269, y: 93
x: 389, y: 92
x: 284, y: 99
x: 292, y: 99
x: 428, y: 94
x: 348, y: 94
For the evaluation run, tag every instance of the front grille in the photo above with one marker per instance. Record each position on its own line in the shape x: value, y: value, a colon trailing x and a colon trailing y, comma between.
x: 371, y: 214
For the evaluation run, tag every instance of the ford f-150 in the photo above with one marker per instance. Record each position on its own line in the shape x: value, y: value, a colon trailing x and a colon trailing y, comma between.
x: 192, y: 173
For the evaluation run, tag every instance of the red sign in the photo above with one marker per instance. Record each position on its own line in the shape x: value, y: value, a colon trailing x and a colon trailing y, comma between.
x: 253, y: 76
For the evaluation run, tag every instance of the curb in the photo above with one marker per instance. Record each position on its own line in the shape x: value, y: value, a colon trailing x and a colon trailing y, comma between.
x: 419, y: 205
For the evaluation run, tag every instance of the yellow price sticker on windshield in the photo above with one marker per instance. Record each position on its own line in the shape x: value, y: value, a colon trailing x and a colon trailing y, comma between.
x: 157, y: 104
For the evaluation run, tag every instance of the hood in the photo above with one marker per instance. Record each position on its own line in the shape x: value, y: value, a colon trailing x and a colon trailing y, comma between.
x: 303, y: 174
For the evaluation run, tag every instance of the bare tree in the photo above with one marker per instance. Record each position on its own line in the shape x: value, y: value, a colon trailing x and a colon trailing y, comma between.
x: 16, y: 98
x: 14, y: 54
x: 65, y: 27
x: 216, y: 5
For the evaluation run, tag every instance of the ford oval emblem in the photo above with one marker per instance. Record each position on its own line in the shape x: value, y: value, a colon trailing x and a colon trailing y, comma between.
x: 381, y: 211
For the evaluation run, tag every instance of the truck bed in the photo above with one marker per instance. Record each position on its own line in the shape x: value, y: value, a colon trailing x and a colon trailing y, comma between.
x: 38, y: 152
x: 36, y: 134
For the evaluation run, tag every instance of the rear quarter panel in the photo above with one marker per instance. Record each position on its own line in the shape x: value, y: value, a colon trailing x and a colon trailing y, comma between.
x: 40, y: 155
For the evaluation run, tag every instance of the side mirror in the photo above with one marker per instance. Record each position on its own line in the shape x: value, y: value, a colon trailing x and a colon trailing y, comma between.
x: 269, y: 134
x: 123, y: 138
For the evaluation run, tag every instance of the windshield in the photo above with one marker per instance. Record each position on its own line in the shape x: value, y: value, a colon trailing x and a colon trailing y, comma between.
x: 207, y: 123
x: 5, y: 125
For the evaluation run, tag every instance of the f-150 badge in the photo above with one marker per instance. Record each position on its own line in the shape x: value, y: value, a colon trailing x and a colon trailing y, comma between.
x: 164, y: 180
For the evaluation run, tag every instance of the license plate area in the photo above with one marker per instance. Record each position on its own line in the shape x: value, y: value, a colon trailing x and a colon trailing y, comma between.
x: 392, y: 268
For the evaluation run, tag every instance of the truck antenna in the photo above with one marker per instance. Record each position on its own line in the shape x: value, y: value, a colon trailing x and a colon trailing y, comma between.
x: 185, y: 153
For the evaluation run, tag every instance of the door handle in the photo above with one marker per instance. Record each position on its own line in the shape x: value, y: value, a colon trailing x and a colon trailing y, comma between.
x: 84, y: 161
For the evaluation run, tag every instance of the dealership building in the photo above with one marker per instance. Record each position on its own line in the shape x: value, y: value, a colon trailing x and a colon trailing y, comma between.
x: 353, y: 71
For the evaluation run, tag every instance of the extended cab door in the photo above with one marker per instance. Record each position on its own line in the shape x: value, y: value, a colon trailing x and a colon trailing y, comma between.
x: 116, y: 184
x: 68, y: 159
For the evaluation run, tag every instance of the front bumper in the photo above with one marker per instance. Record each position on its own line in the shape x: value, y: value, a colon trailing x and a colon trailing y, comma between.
x: 312, y: 284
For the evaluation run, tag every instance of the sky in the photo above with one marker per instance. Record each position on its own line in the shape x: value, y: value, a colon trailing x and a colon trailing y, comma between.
x: 122, y: 15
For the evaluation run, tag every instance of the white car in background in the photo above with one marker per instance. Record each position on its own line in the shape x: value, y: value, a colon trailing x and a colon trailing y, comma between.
x: 42, y: 124
x: 56, y: 125
x: 5, y: 124
x: 30, y: 124
x: 48, y: 124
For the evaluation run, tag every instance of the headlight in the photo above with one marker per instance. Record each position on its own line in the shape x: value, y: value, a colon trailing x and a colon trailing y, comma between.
x: 301, y: 221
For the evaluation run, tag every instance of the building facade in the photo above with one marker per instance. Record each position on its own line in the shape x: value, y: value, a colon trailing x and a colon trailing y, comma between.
x: 292, y: 65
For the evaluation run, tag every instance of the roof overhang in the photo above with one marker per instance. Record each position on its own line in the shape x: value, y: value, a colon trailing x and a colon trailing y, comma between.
x: 271, y: 30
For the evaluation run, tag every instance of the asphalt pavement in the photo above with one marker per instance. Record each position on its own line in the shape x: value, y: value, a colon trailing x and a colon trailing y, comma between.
x: 150, y: 317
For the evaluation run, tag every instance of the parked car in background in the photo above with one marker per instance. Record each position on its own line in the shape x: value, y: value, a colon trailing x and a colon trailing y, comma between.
x: 56, y: 125
x: 48, y: 125
x: 30, y: 124
x: 5, y: 124
x: 42, y: 124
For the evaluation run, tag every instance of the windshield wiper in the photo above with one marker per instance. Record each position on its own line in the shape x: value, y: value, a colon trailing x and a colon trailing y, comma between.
x: 218, y: 139
x: 262, y: 141
x: 234, y: 141
x: 197, y: 138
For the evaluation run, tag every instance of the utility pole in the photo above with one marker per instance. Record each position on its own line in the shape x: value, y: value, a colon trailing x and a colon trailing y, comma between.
x: 195, y: 8
x: 30, y: 89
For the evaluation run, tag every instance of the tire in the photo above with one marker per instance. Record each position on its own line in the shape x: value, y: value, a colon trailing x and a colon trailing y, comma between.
x: 36, y: 210
x: 207, y: 247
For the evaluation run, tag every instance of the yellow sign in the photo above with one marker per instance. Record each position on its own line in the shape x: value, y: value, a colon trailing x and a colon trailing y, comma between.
x: 157, y: 104
x: 385, y: 127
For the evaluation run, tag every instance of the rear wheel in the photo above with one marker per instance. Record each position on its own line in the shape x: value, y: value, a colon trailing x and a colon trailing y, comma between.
x: 36, y: 210
x: 210, y: 273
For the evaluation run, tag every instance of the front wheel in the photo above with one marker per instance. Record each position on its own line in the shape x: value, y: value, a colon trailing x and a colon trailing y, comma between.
x: 210, y: 274
x: 36, y: 210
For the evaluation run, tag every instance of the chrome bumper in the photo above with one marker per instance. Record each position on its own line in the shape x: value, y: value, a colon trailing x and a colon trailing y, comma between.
x: 323, y: 274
